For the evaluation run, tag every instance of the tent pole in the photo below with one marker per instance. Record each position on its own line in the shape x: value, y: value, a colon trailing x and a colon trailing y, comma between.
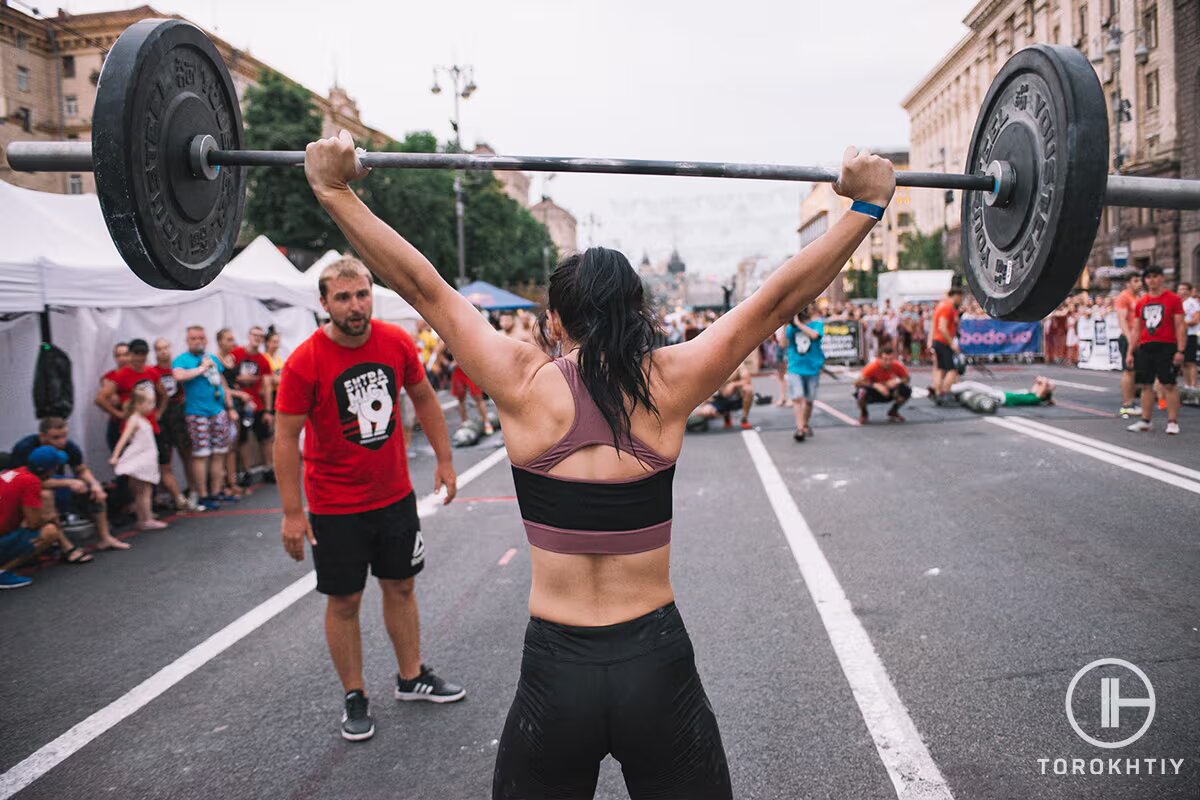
x: 44, y: 314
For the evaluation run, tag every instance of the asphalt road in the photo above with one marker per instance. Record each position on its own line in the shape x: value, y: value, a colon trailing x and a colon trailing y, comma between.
x: 974, y: 566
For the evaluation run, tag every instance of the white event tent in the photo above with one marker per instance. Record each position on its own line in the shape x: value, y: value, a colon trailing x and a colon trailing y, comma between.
x: 56, y: 257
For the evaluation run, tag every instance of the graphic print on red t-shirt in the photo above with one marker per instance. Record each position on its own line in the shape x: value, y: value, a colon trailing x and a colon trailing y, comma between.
x: 364, y: 398
x: 129, y: 380
x: 251, y: 365
x: 354, y: 451
x: 1158, y: 315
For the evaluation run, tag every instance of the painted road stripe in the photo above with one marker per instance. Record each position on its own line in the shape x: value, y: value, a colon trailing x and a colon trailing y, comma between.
x: 51, y: 755
x: 1087, y: 387
x: 507, y: 557
x: 908, y: 762
x: 833, y: 412
x: 1101, y: 451
x: 1099, y: 444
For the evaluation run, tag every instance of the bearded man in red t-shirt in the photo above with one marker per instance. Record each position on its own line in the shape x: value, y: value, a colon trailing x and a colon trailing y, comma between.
x: 342, y: 388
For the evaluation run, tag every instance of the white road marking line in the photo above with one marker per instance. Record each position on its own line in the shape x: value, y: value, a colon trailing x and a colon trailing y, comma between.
x: 1100, y: 444
x: 833, y: 412
x: 1087, y: 387
x: 507, y: 557
x: 905, y: 757
x: 51, y: 755
x: 1102, y: 451
x: 449, y: 405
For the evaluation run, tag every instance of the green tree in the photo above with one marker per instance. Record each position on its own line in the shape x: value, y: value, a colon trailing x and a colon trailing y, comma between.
x: 280, y: 205
x: 418, y: 203
x: 922, y: 251
x: 504, y: 241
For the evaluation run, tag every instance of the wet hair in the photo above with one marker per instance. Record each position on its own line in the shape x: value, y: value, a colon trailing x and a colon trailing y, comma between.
x: 602, y: 306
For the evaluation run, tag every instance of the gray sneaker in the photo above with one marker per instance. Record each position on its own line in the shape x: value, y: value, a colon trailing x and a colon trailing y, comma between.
x: 357, y: 723
x: 428, y: 686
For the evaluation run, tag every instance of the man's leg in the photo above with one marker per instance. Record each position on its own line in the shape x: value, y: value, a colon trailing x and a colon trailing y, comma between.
x: 936, y: 383
x: 344, y: 636
x: 799, y: 406
x: 198, y: 474
x: 403, y: 621
x: 481, y: 404
x: 1171, y: 390
x: 1148, y: 401
x: 216, y: 472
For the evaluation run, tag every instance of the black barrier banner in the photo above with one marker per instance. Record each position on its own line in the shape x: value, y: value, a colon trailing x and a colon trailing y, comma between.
x: 842, y: 340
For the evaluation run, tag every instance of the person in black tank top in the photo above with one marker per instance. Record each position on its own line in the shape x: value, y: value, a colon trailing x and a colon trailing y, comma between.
x: 628, y: 689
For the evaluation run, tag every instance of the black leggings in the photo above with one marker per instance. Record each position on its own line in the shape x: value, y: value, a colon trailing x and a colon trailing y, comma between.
x: 629, y: 689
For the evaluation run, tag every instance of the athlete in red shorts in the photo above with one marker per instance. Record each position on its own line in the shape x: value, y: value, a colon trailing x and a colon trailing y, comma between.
x: 342, y: 387
x: 460, y: 386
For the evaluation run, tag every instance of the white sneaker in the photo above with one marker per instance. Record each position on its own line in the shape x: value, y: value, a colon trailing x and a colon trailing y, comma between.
x: 1172, y: 427
x: 1141, y: 426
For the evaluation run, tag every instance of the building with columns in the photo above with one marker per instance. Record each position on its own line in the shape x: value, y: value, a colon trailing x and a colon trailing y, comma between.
x: 1146, y: 53
x: 48, y: 74
x: 515, y: 183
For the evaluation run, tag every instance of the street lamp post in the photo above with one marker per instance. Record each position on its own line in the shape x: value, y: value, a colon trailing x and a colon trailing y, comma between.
x: 462, y: 81
x: 1121, y: 110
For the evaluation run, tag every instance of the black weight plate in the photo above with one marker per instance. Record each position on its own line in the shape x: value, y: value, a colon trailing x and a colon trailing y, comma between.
x: 1044, y: 114
x: 163, y: 83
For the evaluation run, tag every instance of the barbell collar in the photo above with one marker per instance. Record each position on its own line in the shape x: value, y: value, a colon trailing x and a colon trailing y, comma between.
x: 1122, y: 190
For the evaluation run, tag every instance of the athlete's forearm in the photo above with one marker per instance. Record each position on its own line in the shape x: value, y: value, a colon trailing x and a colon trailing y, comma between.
x: 287, y: 473
x: 433, y: 422
x: 389, y: 255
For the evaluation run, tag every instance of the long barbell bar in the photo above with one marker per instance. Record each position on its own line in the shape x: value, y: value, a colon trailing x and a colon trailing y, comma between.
x: 1122, y: 190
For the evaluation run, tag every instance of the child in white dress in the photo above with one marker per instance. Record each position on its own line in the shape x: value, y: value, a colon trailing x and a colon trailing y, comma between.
x: 136, y: 455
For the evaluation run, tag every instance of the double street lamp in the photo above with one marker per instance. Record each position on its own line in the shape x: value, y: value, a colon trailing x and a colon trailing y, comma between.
x: 462, y: 82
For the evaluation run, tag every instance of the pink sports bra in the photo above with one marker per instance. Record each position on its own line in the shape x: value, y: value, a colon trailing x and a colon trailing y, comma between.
x: 572, y: 515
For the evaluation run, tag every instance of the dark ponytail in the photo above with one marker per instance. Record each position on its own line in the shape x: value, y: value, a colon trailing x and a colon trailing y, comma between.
x: 602, y: 306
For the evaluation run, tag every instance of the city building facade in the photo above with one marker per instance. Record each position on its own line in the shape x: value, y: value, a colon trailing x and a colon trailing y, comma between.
x: 49, y: 70
x: 1144, y: 52
x: 559, y: 222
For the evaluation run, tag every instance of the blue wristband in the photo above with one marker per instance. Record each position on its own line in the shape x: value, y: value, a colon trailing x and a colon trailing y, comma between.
x: 870, y: 209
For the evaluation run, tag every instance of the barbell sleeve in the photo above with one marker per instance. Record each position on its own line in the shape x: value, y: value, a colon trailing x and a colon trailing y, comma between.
x: 1122, y: 190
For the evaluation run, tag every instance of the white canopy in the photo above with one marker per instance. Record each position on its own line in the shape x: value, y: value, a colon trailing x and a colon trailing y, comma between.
x: 55, y: 251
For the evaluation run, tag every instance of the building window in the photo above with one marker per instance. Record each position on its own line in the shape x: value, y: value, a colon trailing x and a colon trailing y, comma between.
x: 22, y: 79
x: 1057, y: 34
x: 903, y: 220
x: 1114, y: 10
x: 72, y: 137
x: 71, y: 105
x: 75, y: 184
x: 1081, y: 36
x: 68, y: 66
x: 22, y: 41
x: 1030, y: 22
x: 1152, y: 89
x: 1150, y: 26
x: 26, y: 119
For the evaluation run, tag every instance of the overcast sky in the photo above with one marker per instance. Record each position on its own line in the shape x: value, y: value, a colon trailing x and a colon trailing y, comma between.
x: 789, y: 81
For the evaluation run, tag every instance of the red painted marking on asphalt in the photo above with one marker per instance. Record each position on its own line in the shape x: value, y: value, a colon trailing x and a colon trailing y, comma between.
x: 231, y: 512
x: 1086, y: 409
x: 507, y: 557
x: 828, y: 409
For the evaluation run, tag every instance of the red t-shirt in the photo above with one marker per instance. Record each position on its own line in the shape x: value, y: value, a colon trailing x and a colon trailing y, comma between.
x: 129, y: 380
x: 253, y: 365
x: 876, y: 372
x: 945, y: 311
x: 1158, y: 317
x: 354, y: 452
x: 19, y: 489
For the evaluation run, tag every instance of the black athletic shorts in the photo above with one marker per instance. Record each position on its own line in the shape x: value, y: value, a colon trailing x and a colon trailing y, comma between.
x: 1154, y: 360
x: 901, y: 393
x: 725, y: 405
x: 387, y: 539
x: 1189, y: 352
x: 630, y: 690
x: 164, y: 446
x: 1123, y: 346
x: 262, y: 431
x: 943, y: 355
x: 174, y: 429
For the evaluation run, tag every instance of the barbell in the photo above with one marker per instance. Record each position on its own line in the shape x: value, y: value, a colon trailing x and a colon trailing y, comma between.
x: 167, y: 155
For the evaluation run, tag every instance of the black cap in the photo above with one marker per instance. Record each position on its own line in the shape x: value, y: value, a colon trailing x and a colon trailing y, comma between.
x: 139, y: 347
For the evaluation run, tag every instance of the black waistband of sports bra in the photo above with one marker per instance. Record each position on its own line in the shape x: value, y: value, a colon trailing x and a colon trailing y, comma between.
x: 575, y: 505
x: 605, y: 644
